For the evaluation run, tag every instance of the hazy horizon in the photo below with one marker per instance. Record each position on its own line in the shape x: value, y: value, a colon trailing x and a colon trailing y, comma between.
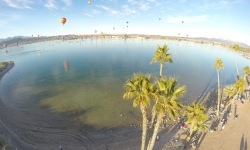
x: 225, y: 19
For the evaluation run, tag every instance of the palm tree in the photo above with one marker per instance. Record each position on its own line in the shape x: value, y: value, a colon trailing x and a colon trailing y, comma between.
x: 162, y: 56
x: 218, y: 64
x: 246, y: 70
x: 230, y: 91
x: 239, y: 85
x: 196, y: 118
x: 141, y: 88
x: 167, y: 93
x: 236, y: 48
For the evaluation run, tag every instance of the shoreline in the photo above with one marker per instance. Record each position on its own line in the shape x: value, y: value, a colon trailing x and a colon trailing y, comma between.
x: 8, y: 68
x: 30, y: 40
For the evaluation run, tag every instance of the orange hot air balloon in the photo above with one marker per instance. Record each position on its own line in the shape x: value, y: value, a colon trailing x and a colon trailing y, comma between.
x: 63, y: 20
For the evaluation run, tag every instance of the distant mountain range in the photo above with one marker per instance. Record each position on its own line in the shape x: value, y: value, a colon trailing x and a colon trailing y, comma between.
x: 223, y: 41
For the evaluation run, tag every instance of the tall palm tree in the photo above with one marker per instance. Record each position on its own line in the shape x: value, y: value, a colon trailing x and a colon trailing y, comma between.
x: 140, y: 88
x: 236, y: 48
x: 168, y: 92
x: 230, y: 91
x: 218, y: 64
x: 162, y: 56
x: 246, y: 70
x: 196, y: 118
x: 239, y: 85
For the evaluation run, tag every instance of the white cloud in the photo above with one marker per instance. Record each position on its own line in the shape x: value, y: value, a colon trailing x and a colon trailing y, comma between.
x: 89, y: 15
x: 151, y: 0
x: 132, y: 2
x: 94, y: 11
x: 67, y: 2
x: 113, y: 12
x: 103, y: 7
x: 239, y: 1
x: 128, y: 11
x: 144, y: 7
x: 187, y: 19
x: 218, y: 5
x: 182, y: 1
x: 21, y: 4
x: 50, y: 4
x: 224, y: 3
x: 109, y: 10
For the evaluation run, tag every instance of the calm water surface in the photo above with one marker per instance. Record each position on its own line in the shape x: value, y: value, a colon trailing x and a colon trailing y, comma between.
x: 84, y: 80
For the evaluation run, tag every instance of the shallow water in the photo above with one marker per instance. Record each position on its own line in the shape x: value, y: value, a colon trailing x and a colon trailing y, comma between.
x: 84, y: 80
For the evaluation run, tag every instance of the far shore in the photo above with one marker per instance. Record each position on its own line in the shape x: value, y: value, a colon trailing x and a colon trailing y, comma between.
x: 30, y: 40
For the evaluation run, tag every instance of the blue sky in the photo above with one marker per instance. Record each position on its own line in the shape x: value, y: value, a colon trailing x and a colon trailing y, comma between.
x: 227, y: 19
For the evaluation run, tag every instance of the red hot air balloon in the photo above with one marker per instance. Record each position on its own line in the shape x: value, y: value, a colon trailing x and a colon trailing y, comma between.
x: 63, y: 20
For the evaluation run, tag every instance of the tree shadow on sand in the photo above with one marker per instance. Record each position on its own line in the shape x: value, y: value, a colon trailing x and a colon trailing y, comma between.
x: 243, y: 143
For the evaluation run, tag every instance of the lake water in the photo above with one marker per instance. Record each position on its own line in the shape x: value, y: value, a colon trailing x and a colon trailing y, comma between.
x: 83, y: 80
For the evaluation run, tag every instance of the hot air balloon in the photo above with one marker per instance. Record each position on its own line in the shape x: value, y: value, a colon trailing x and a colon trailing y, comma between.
x: 95, y: 31
x: 159, y: 18
x: 127, y: 22
x: 127, y: 26
x: 113, y: 28
x: 182, y: 21
x: 63, y: 20
x: 90, y: 2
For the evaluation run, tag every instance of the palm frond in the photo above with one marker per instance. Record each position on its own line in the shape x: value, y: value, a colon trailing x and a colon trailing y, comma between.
x: 218, y: 64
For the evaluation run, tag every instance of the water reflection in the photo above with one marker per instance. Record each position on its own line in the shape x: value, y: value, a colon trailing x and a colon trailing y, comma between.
x: 89, y: 86
x: 66, y: 65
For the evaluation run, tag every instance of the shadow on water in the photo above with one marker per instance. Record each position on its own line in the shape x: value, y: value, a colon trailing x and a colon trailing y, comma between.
x: 230, y: 80
x: 211, y: 102
x: 211, y: 85
x: 243, y: 143
x: 34, y: 99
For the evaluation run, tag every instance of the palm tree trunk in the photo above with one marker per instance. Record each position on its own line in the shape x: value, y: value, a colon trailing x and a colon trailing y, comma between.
x: 161, y: 70
x: 144, y: 127
x: 153, y: 117
x: 238, y: 75
x: 156, y: 129
x: 219, y: 95
x: 152, y: 120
